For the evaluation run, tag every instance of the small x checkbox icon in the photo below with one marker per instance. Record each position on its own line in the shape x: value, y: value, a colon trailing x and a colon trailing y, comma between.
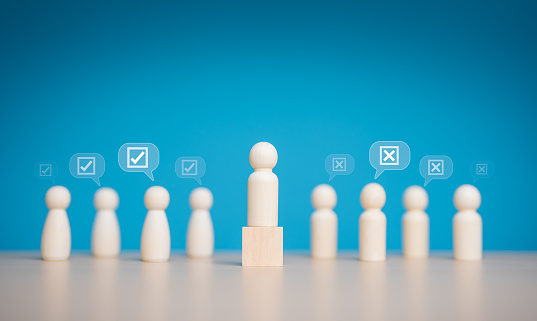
x: 481, y: 169
x: 436, y: 167
x: 339, y: 164
x: 389, y: 155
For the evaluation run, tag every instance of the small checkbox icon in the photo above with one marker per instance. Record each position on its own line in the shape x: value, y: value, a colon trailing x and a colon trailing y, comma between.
x: 85, y: 165
x: 339, y: 164
x: 189, y: 167
x: 389, y: 155
x: 481, y: 169
x: 137, y: 157
x: 436, y: 167
x: 45, y: 170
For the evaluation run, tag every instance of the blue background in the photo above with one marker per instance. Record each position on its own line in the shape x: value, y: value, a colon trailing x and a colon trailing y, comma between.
x: 314, y: 78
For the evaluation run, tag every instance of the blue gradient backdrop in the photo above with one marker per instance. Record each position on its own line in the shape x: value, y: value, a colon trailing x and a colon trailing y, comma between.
x: 314, y: 78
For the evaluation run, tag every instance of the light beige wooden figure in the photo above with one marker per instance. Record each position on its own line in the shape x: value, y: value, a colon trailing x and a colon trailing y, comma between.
x: 324, y: 223
x: 373, y: 224
x: 262, y: 239
x: 105, y: 235
x: 155, y: 244
x: 56, y: 237
x: 415, y: 223
x: 467, y: 224
x: 263, y: 186
x: 200, y: 232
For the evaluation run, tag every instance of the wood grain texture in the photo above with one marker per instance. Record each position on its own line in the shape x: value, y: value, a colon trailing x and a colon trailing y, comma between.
x: 262, y: 246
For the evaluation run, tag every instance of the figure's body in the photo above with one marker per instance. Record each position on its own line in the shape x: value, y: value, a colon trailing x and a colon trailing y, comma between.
x: 156, y: 243
x: 262, y: 239
x: 373, y: 224
x: 263, y: 186
x: 415, y: 223
x: 200, y: 232
x: 56, y: 237
x: 467, y: 225
x: 324, y: 223
x: 105, y: 235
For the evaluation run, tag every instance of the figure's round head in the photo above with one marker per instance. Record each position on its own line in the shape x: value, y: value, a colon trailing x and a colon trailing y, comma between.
x: 373, y: 196
x: 201, y: 198
x: 323, y: 196
x: 58, y: 197
x: 467, y: 197
x: 415, y: 198
x: 157, y: 198
x: 106, y: 198
x: 263, y: 155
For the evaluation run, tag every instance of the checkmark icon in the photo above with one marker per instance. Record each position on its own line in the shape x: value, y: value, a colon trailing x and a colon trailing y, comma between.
x: 86, y: 165
x: 190, y: 167
x: 135, y: 160
x: 45, y: 170
x: 138, y: 157
x: 84, y: 168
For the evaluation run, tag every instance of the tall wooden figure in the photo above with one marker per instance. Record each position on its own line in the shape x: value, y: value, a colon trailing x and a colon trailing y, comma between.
x: 323, y: 223
x: 467, y: 224
x: 200, y: 231
x: 373, y: 224
x: 56, y: 237
x: 262, y: 239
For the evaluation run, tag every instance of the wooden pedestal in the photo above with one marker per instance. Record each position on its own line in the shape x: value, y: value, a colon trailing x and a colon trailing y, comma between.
x: 262, y: 246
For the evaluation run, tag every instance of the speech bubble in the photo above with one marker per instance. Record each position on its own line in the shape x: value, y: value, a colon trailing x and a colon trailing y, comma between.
x: 389, y: 155
x: 46, y: 170
x: 436, y: 167
x: 339, y: 164
x: 482, y: 169
x: 87, y: 165
x: 139, y: 157
x: 190, y: 167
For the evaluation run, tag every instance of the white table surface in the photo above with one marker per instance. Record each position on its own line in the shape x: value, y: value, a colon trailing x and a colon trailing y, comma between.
x: 501, y: 287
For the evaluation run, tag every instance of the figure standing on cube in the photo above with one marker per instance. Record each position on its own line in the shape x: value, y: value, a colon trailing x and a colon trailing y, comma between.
x: 262, y: 239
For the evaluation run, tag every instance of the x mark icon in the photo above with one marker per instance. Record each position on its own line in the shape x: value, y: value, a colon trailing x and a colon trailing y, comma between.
x: 389, y: 155
x: 436, y: 167
x: 339, y: 164
x: 481, y: 169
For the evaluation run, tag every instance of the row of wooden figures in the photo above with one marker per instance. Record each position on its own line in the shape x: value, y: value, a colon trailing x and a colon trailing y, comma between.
x: 155, y: 241
x: 467, y: 224
x: 105, y: 236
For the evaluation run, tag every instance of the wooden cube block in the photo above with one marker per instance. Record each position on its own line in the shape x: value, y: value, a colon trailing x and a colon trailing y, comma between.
x: 262, y: 246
